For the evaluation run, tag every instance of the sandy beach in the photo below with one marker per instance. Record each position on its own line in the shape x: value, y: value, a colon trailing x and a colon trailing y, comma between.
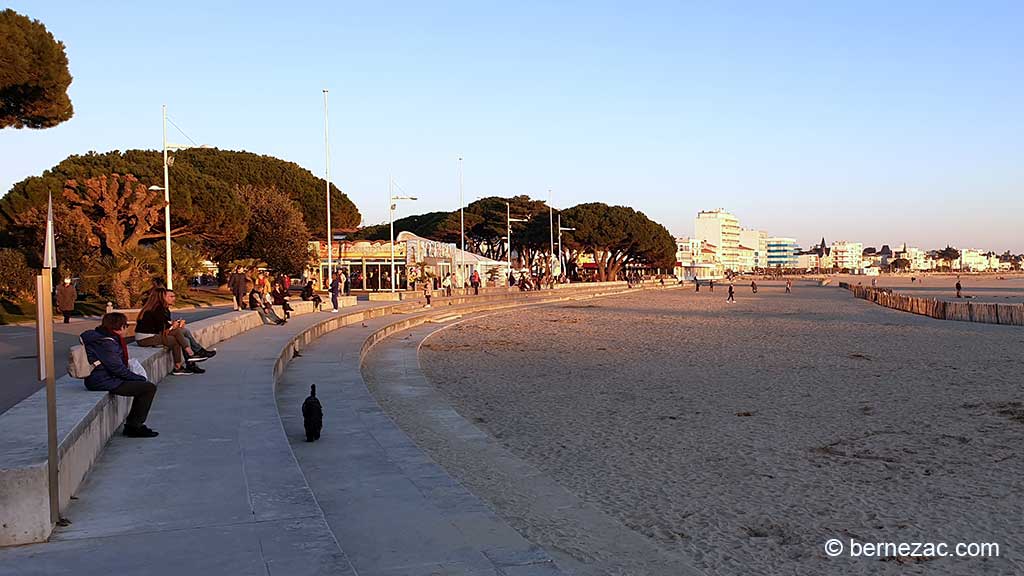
x: 743, y: 436
x: 1005, y: 288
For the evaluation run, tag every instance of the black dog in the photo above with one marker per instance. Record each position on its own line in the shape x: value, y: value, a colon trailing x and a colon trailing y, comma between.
x: 312, y: 416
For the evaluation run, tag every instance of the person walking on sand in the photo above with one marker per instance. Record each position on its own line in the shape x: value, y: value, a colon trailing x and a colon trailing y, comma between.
x: 696, y: 284
x: 66, y: 296
x: 711, y: 284
x: 732, y: 296
x: 789, y: 286
x: 753, y: 286
x: 959, y: 287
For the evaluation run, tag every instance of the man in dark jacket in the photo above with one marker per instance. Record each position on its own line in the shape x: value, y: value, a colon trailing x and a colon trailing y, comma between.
x: 106, y: 345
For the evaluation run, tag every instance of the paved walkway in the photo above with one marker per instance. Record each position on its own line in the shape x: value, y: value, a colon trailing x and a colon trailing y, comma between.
x: 394, y: 511
x: 218, y: 492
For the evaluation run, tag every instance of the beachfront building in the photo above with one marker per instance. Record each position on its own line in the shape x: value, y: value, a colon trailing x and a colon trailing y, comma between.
x: 847, y: 255
x: 697, y: 260
x: 782, y: 252
x: 720, y: 230
x: 973, y: 260
x: 753, y: 248
x: 367, y: 263
x: 917, y: 258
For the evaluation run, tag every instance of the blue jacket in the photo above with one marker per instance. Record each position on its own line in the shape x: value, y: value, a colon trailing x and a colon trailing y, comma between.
x: 112, y: 370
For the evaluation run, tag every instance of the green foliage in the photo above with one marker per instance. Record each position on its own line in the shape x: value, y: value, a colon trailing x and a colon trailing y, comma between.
x: 204, y: 202
x: 277, y: 233
x: 949, y: 254
x: 615, y: 235
x: 34, y: 76
x: 442, y: 226
x: 16, y: 278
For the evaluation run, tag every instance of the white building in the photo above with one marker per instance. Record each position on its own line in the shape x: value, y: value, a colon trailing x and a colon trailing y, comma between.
x: 973, y: 260
x: 757, y: 242
x: 721, y: 230
x: 847, y: 255
x: 918, y: 258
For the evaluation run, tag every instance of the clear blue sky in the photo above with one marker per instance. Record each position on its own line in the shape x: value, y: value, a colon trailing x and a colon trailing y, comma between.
x: 879, y: 122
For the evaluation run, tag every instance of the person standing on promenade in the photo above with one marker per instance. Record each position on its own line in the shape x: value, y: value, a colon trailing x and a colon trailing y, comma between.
x: 753, y: 286
x: 236, y: 282
x: 428, y: 290
x: 66, y: 296
x: 789, y: 286
x: 106, y: 348
x: 711, y: 284
x: 959, y: 287
x: 346, y: 286
x: 446, y: 284
x: 335, y: 286
x: 696, y: 284
x: 474, y: 280
x: 732, y: 296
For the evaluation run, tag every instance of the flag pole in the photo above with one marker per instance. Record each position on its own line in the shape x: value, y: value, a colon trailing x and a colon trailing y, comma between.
x: 44, y: 322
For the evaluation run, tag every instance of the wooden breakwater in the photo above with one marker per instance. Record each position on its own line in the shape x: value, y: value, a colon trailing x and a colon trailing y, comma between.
x: 1008, y: 314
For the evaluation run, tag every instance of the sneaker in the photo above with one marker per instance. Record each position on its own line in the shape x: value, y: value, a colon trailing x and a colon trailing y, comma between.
x: 209, y: 353
x: 183, y: 371
x: 191, y: 367
x: 198, y: 358
x: 140, y: 431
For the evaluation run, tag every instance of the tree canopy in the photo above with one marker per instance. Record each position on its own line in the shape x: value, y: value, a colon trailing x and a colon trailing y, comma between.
x: 204, y: 201
x: 34, y: 75
x: 615, y: 235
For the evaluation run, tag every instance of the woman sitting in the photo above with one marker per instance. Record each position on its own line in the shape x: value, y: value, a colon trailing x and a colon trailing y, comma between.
x: 154, y: 327
x: 279, y: 296
x: 309, y: 294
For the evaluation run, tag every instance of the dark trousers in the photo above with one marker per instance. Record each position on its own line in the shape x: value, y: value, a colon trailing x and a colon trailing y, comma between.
x: 142, y: 394
x: 476, y: 289
x: 67, y: 317
x: 334, y: 300
x: 240, y: 300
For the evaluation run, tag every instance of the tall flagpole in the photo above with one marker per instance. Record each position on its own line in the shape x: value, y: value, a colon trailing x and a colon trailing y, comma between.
x: 327, y: 177
x: 44, y: 323
x: 167, y: 211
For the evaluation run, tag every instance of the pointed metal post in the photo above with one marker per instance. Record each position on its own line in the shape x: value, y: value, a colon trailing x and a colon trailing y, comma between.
x: 44, y: 323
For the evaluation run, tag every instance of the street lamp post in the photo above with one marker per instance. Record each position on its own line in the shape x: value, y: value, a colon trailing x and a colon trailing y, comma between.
x: 393, y: 201
x: 167, y: 208
x: 462, y: 231
x: 167, y: 196
x: 327, y: 178
x: 510, y: 220
x: 551, y: 228
x: 561, y: 261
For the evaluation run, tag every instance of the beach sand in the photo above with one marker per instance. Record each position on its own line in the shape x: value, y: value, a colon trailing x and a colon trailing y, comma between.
x: 745, y: 435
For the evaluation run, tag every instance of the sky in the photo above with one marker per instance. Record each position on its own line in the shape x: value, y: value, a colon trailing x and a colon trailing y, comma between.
x: 873, y: 121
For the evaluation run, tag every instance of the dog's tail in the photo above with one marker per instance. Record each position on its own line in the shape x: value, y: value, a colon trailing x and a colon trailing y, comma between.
x: 312, y: 390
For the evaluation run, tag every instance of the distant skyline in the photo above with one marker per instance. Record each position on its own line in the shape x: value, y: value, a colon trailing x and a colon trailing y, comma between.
x: 873, y: 121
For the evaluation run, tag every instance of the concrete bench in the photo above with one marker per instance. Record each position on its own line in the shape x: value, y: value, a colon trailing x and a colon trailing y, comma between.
x: 85, y: 421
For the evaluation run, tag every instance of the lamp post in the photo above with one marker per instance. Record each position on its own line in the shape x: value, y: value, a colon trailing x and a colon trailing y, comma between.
x: 393, y: 201
x: 327, y: 178
x: 167, y: 195
x: 510, y: 220
x: 462, y: 230
x: 551, y: 228
x: 561, y: 262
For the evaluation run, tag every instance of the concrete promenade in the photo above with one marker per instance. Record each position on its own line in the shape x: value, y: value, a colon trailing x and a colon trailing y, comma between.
x: 218, y: 492
x: 394, y: 511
